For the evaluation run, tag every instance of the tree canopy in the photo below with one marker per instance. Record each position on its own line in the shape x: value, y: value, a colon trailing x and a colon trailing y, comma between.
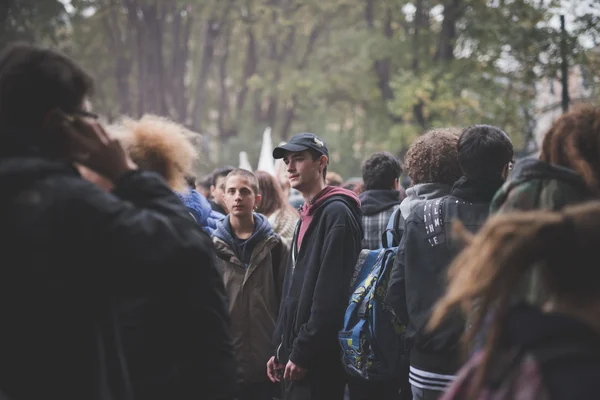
x: 366, y: 75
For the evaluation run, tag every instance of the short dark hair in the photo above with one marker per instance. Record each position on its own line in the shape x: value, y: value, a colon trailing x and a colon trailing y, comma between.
x: 315, y: 155
x: 249, y: 176
x: 221, y: 173
x: 380, y: 171
x: 484, y: 150
x: 34, y: 81
x: 433, y: 158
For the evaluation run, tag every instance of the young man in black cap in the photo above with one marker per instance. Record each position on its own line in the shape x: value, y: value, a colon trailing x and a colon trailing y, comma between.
x: 324, y: 252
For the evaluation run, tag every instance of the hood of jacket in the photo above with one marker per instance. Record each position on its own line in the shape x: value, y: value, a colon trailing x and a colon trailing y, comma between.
x: 201, y: 210
x: 536, y: 184
x: 421, y: 192
x: 532, y: 168
x: 375, y: 201
x: 326, y: 195
x: 262, y: 230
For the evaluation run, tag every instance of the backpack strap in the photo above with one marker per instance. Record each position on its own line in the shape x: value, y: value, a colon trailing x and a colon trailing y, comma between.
x: 393, y: 231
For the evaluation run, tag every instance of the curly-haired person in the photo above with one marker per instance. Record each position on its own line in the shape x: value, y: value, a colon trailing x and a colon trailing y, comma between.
x: 427, y: 248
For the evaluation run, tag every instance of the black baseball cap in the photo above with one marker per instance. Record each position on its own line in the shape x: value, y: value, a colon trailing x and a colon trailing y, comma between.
x: 301, y: 142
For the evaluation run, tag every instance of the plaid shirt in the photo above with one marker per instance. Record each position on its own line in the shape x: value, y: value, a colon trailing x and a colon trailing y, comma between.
x: 374, y: 225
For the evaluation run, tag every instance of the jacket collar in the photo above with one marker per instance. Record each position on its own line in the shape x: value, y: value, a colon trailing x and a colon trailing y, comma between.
x: 479, y: 190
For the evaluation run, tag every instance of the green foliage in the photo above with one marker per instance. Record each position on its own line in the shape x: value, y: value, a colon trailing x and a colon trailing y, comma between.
x: 367, y: 75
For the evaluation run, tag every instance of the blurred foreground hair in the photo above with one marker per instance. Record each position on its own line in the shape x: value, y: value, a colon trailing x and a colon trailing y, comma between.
x: 563, y: 244
x: 160, y: 145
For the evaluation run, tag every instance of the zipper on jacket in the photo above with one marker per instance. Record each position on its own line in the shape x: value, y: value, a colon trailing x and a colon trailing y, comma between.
x: 295, y: 246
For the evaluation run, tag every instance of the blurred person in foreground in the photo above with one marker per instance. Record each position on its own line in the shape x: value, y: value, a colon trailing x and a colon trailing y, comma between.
x: 107, y: 294
x: 547, y: 352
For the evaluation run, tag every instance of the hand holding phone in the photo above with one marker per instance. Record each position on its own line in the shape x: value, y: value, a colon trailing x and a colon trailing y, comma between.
x: 89, y: 144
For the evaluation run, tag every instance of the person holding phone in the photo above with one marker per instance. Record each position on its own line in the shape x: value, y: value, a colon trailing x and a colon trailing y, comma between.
x: 103, y: 294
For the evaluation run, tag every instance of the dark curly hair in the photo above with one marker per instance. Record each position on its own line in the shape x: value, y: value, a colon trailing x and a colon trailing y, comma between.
x: 573, y: 141
x: 380, y: 171
x: 433, y: 157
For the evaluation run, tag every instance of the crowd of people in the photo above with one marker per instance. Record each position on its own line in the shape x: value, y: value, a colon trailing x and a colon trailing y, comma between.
x: 128, y: 277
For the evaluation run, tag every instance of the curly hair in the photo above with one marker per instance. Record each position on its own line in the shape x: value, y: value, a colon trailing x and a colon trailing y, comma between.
x: 160, y: 145
x: 573, y: 141
x: 433, y: 157
x: 564, y: 245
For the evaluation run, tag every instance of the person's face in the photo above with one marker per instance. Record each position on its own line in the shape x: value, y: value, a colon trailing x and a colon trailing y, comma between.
x: 218, y: 190
x: 303, y: 171
x: 239, y: 197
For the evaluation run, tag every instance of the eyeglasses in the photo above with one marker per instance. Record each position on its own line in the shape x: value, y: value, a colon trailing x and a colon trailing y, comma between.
x: 86, y: 114
x: 81, y: 113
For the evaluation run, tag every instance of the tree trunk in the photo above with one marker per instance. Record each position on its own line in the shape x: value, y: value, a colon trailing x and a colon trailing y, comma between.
x: 118, y: 42
x: 212, y: 31
x: 225, y: 128
x: 453, y: 9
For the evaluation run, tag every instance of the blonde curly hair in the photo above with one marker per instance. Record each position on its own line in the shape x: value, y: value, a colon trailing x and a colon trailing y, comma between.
x: 160, y: 145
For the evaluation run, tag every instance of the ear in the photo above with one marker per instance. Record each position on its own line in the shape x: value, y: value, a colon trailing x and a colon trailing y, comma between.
x: 212, y: 189
x: 323, y: 162
x: 396, y: 184
x: 257, y: 199
x: 505, y: 172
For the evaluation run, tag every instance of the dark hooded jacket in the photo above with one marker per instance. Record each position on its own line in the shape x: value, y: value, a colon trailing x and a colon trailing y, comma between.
x: 106, y: 294
x: 253, y: 274
x: 418, y: 278
x: 317, y: 280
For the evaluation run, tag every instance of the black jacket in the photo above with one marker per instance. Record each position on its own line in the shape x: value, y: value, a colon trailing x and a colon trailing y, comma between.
x: 317, y: 286
x: 419, y: 274
x: 106, y: 292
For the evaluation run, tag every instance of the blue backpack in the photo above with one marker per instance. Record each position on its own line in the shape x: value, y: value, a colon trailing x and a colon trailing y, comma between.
x: 372, y: 338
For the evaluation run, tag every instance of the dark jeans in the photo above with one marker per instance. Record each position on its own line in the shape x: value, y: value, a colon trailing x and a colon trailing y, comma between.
x: 257, y: 391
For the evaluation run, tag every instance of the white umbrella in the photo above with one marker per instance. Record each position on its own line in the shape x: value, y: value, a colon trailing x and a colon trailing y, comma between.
x: 244, y: 162
x: 265, y: 161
